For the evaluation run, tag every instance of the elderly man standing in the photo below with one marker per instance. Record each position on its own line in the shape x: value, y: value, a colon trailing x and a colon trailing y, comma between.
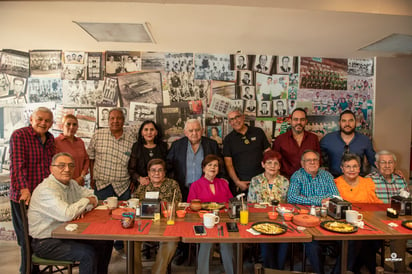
x: 347, y: 140
x: 311, y: 186
x: 294, y: 142
x: 185, y: 163
x: 60, y: 199
x: 31, y: 152
x: 109, y: 152
x: 388, y: 184
x: 243, y: 150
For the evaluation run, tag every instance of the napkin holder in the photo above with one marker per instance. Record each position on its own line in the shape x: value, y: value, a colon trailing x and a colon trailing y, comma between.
x: 235, y: 206
x: 337, y: 208
x: 402, y: 205
x: 149, y: 207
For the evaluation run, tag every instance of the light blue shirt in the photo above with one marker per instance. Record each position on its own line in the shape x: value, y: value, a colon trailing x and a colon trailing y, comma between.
x: 193, y: 164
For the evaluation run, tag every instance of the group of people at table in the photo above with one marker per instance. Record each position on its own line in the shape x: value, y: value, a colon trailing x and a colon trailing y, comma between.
x: 48, y: 173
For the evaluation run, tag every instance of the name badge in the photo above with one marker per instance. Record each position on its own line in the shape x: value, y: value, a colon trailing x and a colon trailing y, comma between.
x: 152, y: 195
x: 253, y: 138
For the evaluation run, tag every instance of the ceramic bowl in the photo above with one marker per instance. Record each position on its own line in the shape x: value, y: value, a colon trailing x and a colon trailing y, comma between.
x: 181, y: 213
x: 273, y: 215
x: 202, y: 212
x: 288, y: 216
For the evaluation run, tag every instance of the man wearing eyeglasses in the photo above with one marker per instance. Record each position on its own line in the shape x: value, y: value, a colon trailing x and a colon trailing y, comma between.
x: 243, y: 151
x: 294, y: 142
x: 31, y: 152
x: 346, y: 140
x: 311, y: 185
x: 60, y: 199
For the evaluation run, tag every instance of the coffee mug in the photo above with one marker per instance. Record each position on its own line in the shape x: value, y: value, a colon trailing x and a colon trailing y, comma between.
x: 132, y: 203
x: 210, y: 219
x: 111, y: 202
x: 352, y: 216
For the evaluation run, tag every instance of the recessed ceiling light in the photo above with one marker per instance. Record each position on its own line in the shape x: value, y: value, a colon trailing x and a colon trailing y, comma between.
x: 118, y: 32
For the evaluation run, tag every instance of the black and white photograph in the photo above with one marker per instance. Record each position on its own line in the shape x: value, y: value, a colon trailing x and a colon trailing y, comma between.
x: 153, y: 60
x: 103, y: 116
x: 74, y: 57
x: 220, y: 105
x: 179, y: 62
x: 45, y: 62
x: 291, y: 106
x: 250, y: 108
x: 247, y: 93
x: 17, y: 87
x: 237, y: 104
x: 118, y: 62
x: 94, y: 66
x: 172, y: 119
x: 245, y: 78
x: 264, y: 109
x: 213, y: 67
x: 280, y: 108
x: 84, y: 93
x: 263, y: 63
x: 15, y: 63
x: 73, y: 72
x: 361, y: 67
x: 110, y: 91
x: 4, y: 85
x: 226, y: 89
x: 144, y: 87
x: 13, y: 119
x: 44, y: 90
x: 140, y: 112
x: 284, y: 64
x: 241, y: 62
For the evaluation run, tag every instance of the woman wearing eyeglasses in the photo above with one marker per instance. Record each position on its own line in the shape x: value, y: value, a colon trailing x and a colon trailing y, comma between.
x: 68, y: 142
x: 158, y: 182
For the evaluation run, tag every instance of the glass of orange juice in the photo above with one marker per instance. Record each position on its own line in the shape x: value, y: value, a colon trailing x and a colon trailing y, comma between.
x: 244, y: 215
x: 170, y: 214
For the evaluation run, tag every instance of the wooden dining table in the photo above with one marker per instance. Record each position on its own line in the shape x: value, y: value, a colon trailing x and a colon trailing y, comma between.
x: 100, y: 225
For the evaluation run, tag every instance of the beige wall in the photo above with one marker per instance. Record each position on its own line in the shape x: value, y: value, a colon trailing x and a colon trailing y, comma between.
x: 393, y: 105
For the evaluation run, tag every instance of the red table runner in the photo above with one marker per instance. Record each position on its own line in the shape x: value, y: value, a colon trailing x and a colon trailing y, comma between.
x: 113, y: 227
x: 399, y: 228
x: 244, y: 234
x: 362, y: 231
x: 370, y: 207
x: 95, y: 216
x: 185, y: 229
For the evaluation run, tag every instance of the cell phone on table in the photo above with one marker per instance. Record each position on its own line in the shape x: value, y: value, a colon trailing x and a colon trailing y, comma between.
x: 199, y: 230
x: 232, y: 227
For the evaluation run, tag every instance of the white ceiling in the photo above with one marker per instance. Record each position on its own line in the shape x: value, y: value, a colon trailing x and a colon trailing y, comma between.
x: 328, y: 28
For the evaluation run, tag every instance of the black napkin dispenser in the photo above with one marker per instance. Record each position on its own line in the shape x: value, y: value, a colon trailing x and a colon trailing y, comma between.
x: 337, y: 208
x: 402, y: 205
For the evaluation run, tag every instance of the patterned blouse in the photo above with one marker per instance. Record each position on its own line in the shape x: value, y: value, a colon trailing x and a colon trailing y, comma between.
x: 261, y: 191
x: 165, y: 190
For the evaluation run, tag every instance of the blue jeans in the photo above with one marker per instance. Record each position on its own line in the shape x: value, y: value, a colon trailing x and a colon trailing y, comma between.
x: 18, y: 229
x: 226, y: 250
x: 274, y: 255
x: 313, y: 252
x: 93, y: 256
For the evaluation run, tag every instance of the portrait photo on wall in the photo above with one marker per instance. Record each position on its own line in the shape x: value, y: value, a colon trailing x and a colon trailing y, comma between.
x: 215, y: 133
x: 17, y: 87
x: 15, y: 62
x: 45, y: 62
x: 241, y: 61
x: 94, y: 65
x: 250, y: 108
x: 237, y: 104
x: 103, y: 116
x: 247, y: 92
x: 284, y: 64
x: 280, y: 108
x: 74, y: 57
x: 4, y: 85
x: 263, y: 63
x: 143, y: 87
x: 245, y: 78
x: 264, y: 109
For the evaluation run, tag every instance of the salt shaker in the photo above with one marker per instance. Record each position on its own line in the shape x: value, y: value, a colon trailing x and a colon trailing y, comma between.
x: 312, y: 210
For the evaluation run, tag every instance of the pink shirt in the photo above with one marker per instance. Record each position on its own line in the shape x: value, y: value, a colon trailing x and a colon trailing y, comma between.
x: 77, y: 150
x: 200, y: 190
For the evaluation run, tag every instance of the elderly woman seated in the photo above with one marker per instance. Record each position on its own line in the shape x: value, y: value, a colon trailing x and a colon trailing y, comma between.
x: 166, y: 187
x: 356, y: 189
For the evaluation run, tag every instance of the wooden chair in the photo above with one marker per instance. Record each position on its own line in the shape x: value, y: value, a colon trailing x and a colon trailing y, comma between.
x: 53, y: 266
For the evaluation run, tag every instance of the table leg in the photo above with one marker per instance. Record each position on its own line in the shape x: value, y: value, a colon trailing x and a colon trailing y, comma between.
x: 239, y: 258
x: 344, y: 256
x: 130, y: 257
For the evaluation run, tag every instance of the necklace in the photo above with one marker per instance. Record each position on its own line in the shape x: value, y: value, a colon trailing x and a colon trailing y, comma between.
x: 151, y: 153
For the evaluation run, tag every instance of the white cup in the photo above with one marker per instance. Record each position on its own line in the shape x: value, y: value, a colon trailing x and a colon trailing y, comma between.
x: 352, y: 216
x: 210, y: 219
x: 132, y: 203
x: 111, y: 202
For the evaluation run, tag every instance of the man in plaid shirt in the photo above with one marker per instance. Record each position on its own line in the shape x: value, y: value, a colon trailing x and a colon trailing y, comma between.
x: 31, y: 152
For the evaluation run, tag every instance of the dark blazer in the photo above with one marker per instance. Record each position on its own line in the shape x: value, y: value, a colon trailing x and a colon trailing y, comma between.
x: 176, y: 159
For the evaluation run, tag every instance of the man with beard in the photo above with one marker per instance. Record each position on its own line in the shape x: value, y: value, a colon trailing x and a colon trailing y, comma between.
x: 346, y: 140
x: 294, y: 142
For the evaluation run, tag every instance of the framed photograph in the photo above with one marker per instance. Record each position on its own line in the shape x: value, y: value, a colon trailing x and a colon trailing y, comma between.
x: 263, y: 63
x: 241, y: 62
x: 4, y: 85
x: 237, y: 104
x: 103, y: 116
x: 215, y: 133
x: 245, y: 78
x: 110, y: 91
x: 284, y: 65
x: 17, y: 86
x: 280, y: 108
x: 264, y: 109
x: 179, y: 62
x: 44, y: 62
x: 73, y: 72
x: 213, y: 67
x: 247, y: 93
x: 118, y: 62
x: 250, y: 108
x: 74, y: 57
x: 43, y: 89
x: 15, y: 63
x: 94, y: 66
x: 139, y: 112
x: 153, y: 60
x: 266, y: 124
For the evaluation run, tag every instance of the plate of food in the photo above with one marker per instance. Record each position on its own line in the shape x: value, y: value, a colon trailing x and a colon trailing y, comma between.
x: 269, y: 228
x: 338, y: 226
x: 212, y: 206
x: 407, y: 224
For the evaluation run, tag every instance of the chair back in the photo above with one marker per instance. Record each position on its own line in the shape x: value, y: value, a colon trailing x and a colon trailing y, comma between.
x: 27, y: 238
